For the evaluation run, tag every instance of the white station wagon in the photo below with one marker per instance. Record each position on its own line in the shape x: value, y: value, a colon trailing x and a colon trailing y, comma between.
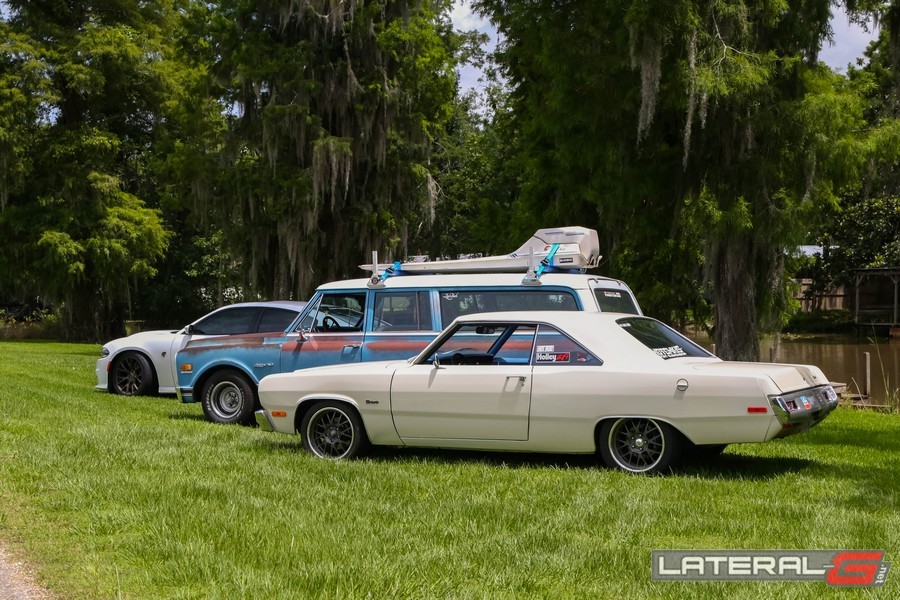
x: 625, y: 386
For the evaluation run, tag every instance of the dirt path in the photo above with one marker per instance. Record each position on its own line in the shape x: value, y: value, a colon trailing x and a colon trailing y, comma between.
x: 16, y: 581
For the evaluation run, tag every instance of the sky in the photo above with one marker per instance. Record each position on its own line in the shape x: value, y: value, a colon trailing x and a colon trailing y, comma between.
x: 849, y: 41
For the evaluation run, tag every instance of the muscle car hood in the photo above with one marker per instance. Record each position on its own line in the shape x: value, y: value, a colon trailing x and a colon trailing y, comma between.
x: 139, y: 339
x: 786, y: 377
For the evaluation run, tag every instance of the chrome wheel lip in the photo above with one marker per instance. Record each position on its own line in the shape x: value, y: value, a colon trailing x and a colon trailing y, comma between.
x: 636, y: 444
x: 226, y: 399
x: 332, y: 437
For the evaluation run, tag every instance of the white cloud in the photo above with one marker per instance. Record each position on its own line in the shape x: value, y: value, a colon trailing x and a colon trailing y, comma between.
x: 850, y: 41
x: 463, y: 18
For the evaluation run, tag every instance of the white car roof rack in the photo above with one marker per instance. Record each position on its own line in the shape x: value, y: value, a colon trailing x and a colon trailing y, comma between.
x: 569, y: 249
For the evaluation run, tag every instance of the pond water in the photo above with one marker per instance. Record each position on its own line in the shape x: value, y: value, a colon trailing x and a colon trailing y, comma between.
x: 841, y: 358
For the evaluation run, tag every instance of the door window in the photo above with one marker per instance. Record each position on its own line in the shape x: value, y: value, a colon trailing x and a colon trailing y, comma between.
x: 336, y: 313
x: 486, y: 344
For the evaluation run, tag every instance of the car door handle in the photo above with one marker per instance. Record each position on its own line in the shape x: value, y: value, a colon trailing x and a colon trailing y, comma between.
x: 520, y: 378
x: 351, y: 347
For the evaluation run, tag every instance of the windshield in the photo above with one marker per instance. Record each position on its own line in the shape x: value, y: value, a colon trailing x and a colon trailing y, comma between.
x: 663, y: 340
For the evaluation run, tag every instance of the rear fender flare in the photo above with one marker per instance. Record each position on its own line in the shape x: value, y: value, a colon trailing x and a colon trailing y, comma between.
x: 665, y: 420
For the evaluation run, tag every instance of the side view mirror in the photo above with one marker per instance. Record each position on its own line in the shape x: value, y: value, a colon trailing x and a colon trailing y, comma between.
x: 189, y: 330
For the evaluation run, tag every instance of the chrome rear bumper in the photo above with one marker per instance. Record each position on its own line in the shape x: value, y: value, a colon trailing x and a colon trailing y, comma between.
x: 804, y: 409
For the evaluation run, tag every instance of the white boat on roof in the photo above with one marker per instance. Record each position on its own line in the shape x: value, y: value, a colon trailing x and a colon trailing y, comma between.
x: 558, y: 248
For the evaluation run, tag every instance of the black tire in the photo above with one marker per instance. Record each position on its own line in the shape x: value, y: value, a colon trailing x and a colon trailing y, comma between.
x: 333, y: 430
x: 228, y: 397
x: 132, y: 375
x: 639, y: 444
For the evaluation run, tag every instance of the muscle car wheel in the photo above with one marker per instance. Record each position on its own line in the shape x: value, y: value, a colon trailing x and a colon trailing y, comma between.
x: 228, y: 397
x: 333, y: 430
x: 639, y: 445
x: 132, y: 375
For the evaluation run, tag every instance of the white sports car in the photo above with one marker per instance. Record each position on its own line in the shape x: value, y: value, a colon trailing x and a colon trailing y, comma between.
x: 144, y: 363
x: 627, y: 387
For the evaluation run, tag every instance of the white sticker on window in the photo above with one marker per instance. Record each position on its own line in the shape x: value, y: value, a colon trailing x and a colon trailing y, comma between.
x: 553, y: 357
x: 613, y: 294
x: 449, y: 296
x: 550, y: 348
x: 670, y: 352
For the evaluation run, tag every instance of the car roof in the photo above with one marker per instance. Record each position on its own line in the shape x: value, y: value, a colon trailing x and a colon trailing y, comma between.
x: 296, y: 305
x: 598, y: 331
x: 572, y: 280
x: 568, y: 319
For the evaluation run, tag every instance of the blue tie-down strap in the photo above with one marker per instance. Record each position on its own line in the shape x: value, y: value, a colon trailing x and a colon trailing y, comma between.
x: 391, y: 270
x: 547, y: 260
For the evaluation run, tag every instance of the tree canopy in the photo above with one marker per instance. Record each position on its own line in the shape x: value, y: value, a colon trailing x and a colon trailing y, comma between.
x: 82, y: 95
x: 704, y: 137
x: 156, y: 157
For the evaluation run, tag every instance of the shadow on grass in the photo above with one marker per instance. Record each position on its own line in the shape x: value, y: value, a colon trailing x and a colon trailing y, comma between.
x: 727, y: 466
x: 527, y: 460
x: 399, y: 455
x: 739, y: 466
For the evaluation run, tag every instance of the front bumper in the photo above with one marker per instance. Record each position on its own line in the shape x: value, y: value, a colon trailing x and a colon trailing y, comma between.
x: 802, y: 410
x: 102, y: 372
x: 262, y: 419
x: 185, y: 394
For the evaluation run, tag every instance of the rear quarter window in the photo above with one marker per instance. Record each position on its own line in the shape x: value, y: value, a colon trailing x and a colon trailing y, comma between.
x: 276, y: 319
x: 229, y: 321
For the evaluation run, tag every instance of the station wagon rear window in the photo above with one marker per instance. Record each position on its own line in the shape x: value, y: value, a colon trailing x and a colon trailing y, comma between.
x: 664, y: 341
x: 613, y: 300
x: 463, y: 302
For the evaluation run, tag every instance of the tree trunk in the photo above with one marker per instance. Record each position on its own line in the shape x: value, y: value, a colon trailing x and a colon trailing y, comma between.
x: 737, y: 330
x: 87, y: 317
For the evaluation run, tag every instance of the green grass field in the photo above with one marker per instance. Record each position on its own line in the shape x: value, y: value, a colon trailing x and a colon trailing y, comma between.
x: 110, y: 497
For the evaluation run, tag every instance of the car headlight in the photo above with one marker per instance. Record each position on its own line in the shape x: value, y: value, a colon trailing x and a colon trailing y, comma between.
x: 104, y: 352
